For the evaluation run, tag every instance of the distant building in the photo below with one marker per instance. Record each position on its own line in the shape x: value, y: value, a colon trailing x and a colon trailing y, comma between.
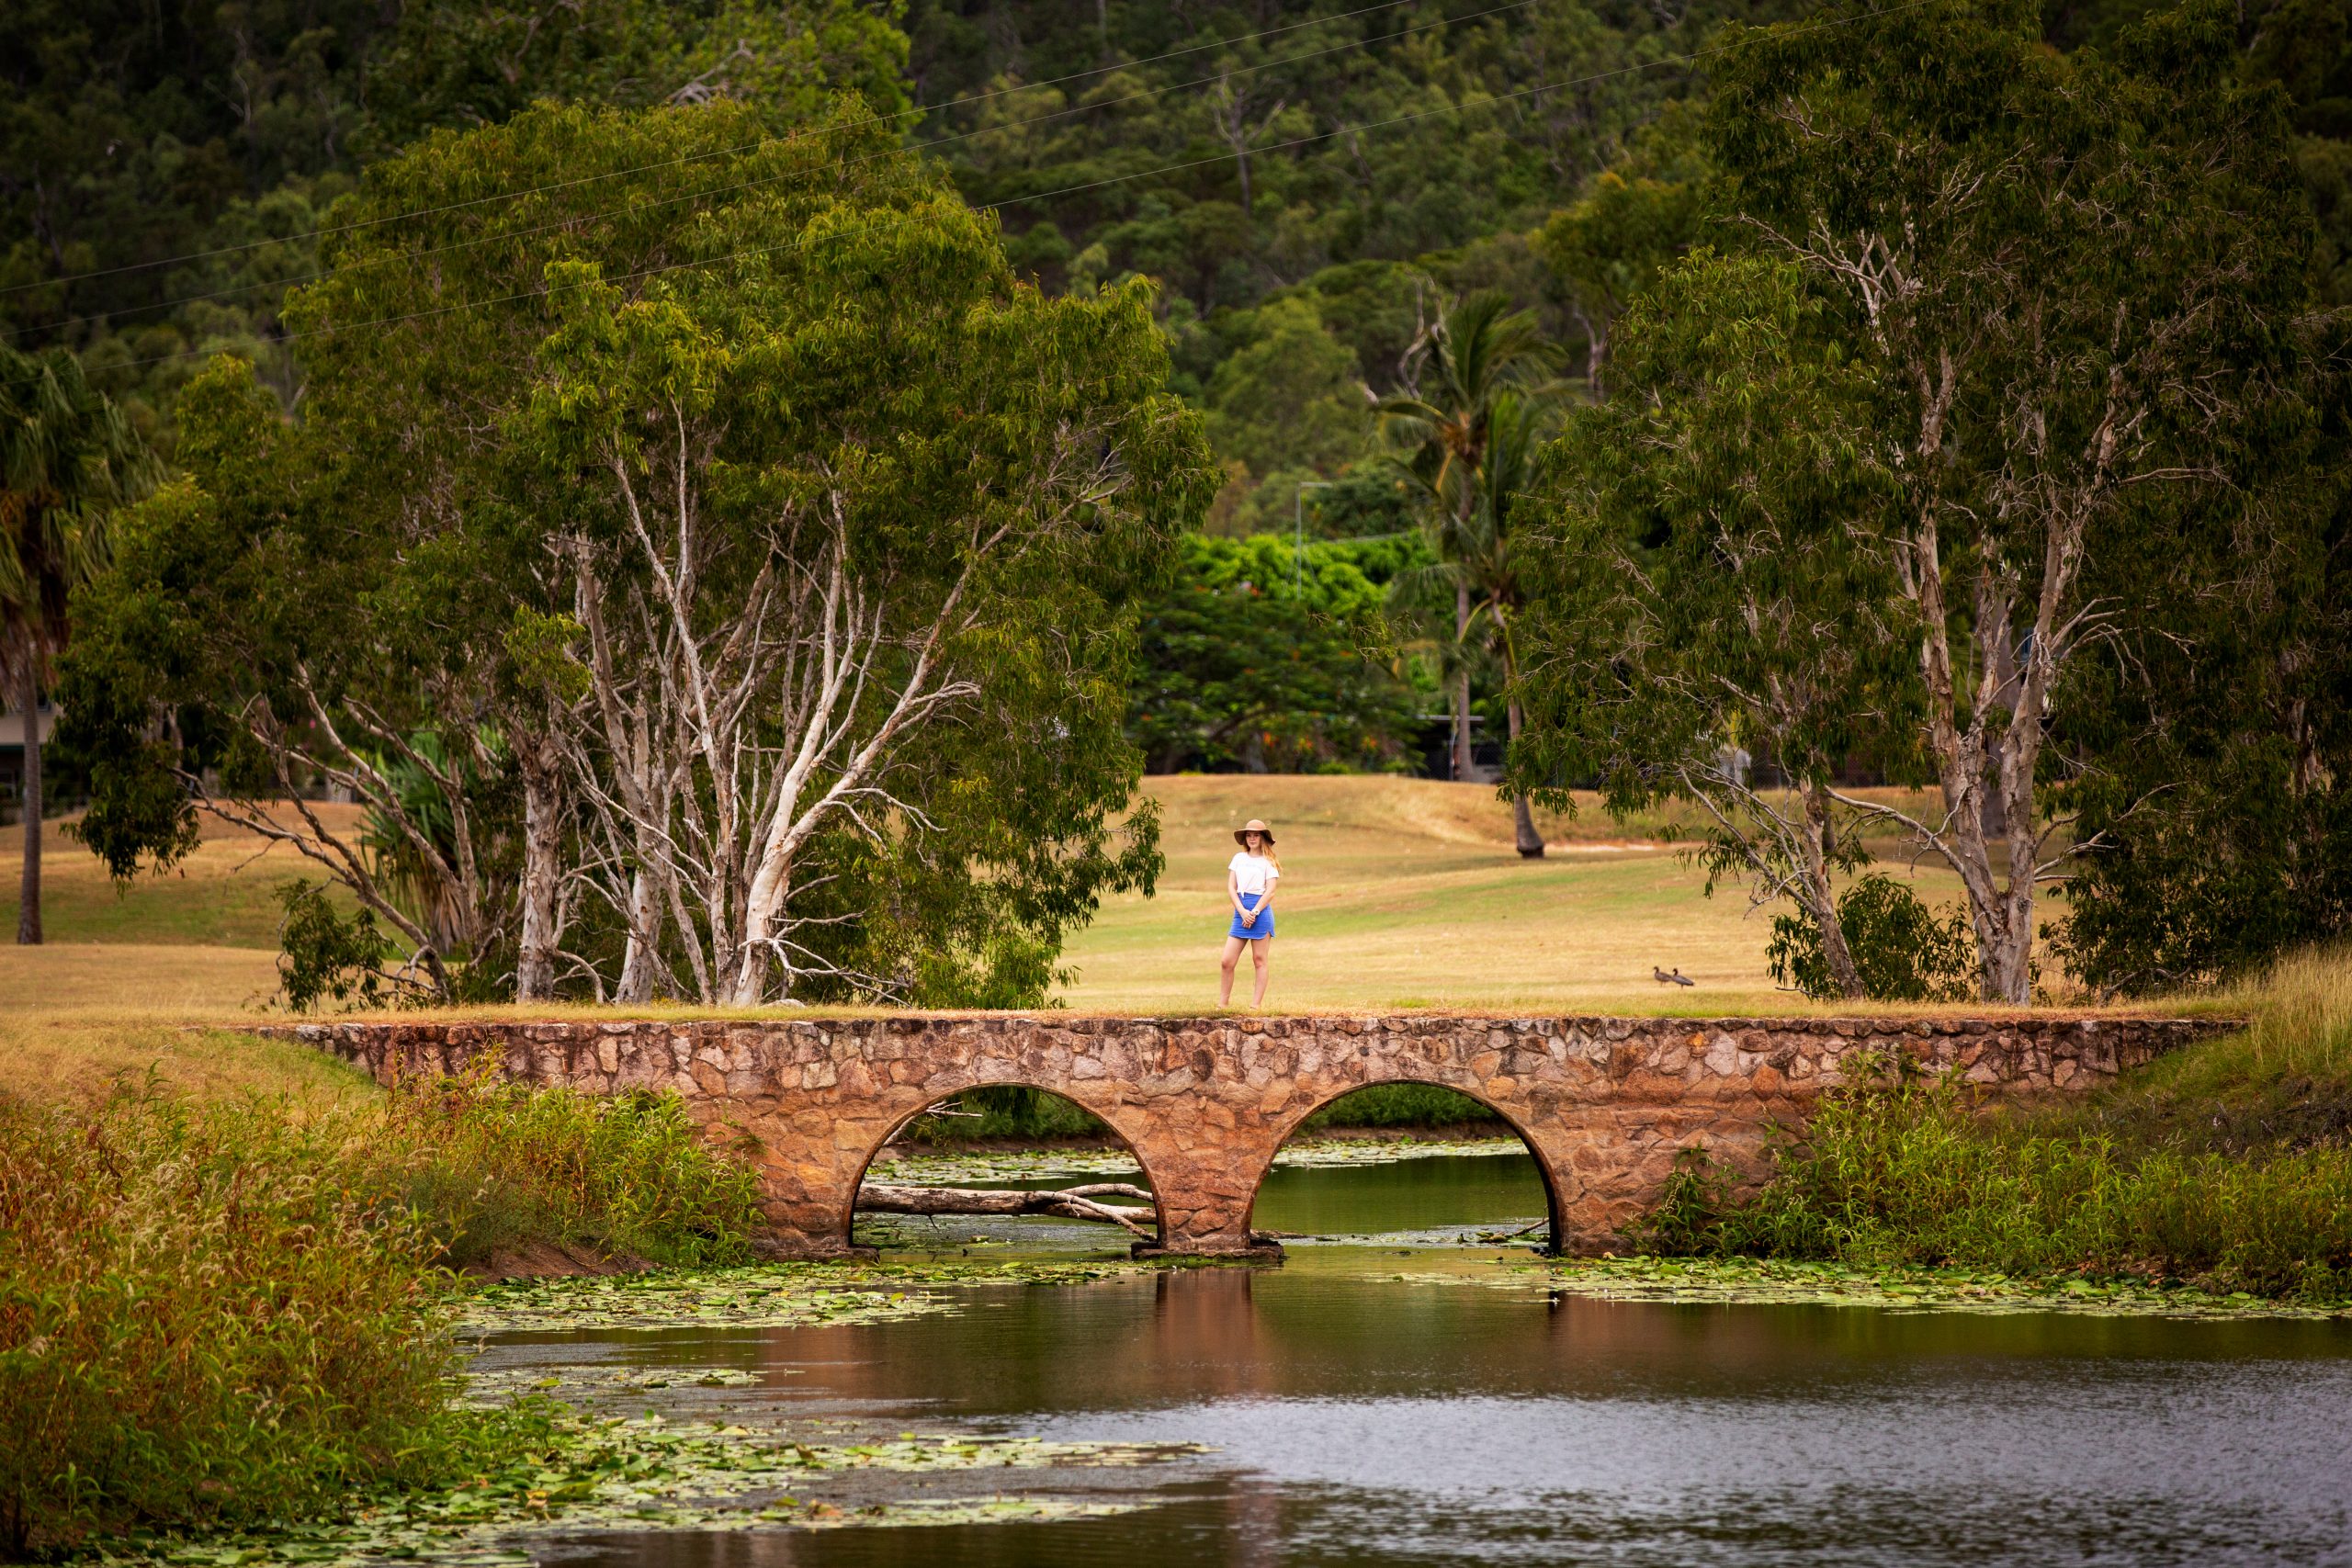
x: 12, y: 750
x: 1433, y: 738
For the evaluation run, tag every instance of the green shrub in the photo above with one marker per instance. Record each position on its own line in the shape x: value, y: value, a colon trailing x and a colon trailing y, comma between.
x: 205, y: 1319
x: 1894, y: 1168
x: 326, y: 955
x: 1903, y: 951
x: 225, y: 1314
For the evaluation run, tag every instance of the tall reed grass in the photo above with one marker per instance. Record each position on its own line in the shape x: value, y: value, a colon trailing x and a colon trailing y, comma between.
x: 203, y: 1318
x: 490, y: 1166
x: 2227, y: 1165
x: 228, y: 1312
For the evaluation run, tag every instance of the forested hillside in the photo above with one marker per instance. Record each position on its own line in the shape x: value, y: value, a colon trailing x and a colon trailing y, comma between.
x: 1303, y: 177
x: 1474, y: 312
x: 1310, y: 182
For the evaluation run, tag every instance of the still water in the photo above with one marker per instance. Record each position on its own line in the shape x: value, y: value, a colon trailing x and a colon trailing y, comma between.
x: 1383, y: 1401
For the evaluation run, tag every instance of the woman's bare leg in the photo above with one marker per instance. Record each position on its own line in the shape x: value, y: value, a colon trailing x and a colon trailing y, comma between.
x: 1262, y: 953
x: 1233, y: 945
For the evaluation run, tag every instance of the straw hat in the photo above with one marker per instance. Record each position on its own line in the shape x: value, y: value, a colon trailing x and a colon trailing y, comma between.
x: 1252, y: 826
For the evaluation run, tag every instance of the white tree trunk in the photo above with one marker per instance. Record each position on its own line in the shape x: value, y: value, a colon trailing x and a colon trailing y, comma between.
x: 542, y: 867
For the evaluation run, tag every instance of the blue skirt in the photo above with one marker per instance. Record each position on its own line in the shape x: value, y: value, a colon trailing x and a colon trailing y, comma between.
x: 1264, y: 928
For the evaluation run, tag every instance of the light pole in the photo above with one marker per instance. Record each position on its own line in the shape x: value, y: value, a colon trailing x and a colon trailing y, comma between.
x: 1299, y: 535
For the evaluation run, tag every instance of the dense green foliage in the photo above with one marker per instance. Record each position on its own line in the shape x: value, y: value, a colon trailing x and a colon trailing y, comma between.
x: 2221, y: 738
x: 489, y: 1166
x: 634, y: 661
x: 1703, y: 590
x: 2010, y: 362
x: 1901, y: 950
x: 168, y: 167
x: 235, y: 1312
x: 1266, y: 657
x: 1316, y: 189
x: 2227, y: 1165
x: 1906, y: 1174
x: 202, y: 1322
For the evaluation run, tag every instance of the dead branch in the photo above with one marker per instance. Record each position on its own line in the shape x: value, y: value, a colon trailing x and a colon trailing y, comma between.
x: 1069, y: 1202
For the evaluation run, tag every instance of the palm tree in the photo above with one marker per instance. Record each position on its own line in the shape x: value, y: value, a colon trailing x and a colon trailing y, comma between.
x: 67, y: 457
x: 1488, y: 559
x: 1478, y: 357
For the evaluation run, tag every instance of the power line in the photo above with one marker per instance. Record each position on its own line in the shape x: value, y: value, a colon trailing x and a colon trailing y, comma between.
x: 740, y: 186
x: 334, y: 330
x: 917, y: 110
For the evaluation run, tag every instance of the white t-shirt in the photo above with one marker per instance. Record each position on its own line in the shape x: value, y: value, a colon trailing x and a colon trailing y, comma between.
x: 1252, y: 874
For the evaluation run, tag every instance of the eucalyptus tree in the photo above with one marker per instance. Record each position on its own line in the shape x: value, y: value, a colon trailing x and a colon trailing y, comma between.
x: 67, y: 459
x: 739, y: 554
x: 810, y: 524
x: 1705, y: 550
x: 254, y: 646
x: 2071, y: 285
x: 1465, y: 362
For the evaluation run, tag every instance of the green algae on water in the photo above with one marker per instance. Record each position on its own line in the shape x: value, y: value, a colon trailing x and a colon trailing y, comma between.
x: 1775, y: 1281
x: 647, y: 1473
x: 760, y: 1295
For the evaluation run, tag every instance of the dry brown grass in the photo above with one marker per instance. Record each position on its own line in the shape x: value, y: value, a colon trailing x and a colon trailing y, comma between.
x: 1406, y: 893
x: 82, y: 1056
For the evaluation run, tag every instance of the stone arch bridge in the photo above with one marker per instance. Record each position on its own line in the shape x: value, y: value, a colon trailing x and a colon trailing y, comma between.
x: 1604, y: 1103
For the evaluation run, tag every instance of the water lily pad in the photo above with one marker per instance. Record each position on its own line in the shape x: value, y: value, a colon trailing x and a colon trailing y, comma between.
x: 770, y: 1295
x: 1788, y: 1282
x: 605, y: 1475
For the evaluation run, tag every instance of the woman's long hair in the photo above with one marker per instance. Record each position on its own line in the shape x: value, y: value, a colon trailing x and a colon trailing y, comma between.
x: 1266, y: 848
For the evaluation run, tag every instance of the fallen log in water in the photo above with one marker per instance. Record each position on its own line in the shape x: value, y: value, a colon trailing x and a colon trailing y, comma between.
x: 1069, y: 1202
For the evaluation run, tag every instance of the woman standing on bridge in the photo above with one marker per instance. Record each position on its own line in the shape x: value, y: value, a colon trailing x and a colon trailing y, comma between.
x: 1250, y: 880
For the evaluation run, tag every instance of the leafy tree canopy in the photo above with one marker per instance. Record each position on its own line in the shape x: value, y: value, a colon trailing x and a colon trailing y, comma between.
x: 759, y: 573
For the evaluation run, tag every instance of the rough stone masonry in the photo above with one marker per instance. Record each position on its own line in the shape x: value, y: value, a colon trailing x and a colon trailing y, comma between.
x: 1605, y: 1103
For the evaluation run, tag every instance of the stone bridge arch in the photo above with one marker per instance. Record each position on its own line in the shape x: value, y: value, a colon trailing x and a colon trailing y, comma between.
x: 1554, y: 1210
x: 1106, y: 1113
x: 1606, y: 1103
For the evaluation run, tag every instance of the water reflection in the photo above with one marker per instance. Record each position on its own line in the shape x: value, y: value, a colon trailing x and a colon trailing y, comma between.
x: 1416, y: 1196
x: 1361, y: 1417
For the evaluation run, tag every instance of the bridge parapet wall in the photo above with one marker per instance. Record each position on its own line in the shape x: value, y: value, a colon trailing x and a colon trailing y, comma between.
x: 1605, y: 1103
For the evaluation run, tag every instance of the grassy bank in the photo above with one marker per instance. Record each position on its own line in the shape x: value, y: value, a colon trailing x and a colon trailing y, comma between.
x: 221, y: 1310
x: 2227, y: 1165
